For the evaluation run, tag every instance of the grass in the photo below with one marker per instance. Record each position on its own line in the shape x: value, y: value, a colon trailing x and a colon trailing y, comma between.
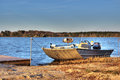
x: 89, y: 60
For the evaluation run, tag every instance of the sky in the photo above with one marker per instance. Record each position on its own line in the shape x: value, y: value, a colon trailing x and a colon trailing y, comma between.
x: 60, y: 15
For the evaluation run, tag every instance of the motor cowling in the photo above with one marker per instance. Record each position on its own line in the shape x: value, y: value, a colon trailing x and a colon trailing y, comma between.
x: 96, y: 45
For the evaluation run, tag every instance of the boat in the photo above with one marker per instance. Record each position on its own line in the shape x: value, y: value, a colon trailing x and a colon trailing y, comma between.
x: 76, y: 51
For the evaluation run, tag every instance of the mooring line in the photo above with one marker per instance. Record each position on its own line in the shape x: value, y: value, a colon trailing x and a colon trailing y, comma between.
x: 37, y: 43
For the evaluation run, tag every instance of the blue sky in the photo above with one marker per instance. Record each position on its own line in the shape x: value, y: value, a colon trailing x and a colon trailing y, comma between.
x: 60, y: 15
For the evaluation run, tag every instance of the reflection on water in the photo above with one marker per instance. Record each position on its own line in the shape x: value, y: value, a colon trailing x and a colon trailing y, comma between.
x: 20, y: 47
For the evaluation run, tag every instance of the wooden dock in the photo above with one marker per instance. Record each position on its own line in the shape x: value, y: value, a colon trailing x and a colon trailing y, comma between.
x: 14, y: 60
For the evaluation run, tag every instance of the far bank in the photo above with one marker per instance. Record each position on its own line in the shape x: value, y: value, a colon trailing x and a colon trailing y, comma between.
x: 36, y: 33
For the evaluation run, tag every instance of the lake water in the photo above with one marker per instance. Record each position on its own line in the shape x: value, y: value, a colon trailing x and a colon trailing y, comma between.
x: 20, y: 46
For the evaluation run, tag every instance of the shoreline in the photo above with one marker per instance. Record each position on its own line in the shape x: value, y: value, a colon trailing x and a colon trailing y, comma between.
x: 36, y: 33
x: 89, y: 69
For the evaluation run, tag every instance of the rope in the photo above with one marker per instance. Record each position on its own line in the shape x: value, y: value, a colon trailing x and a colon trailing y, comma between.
x: 37, y: 43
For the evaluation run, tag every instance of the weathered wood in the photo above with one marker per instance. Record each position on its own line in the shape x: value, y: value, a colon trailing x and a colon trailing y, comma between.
x: 62, y: 54
x: 14, y: 60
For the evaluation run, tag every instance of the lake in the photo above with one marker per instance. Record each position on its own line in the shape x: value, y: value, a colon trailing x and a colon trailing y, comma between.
x: 20, y: 46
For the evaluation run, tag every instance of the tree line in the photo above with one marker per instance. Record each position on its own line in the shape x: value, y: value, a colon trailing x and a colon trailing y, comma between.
x: 35, y: 33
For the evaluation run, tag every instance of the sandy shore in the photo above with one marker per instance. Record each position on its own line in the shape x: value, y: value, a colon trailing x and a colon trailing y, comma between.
x: 91, y: 69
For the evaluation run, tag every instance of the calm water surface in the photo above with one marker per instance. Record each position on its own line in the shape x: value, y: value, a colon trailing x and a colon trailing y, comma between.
x: 20, y: 46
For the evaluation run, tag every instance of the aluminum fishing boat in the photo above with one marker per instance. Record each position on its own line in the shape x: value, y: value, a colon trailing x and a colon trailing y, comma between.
x: 76, y: 51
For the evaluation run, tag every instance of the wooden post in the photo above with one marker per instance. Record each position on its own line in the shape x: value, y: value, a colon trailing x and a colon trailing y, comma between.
x: 30, y: 50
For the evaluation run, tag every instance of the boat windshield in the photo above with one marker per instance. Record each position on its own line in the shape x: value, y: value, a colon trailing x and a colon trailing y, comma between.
x: 85, y: 41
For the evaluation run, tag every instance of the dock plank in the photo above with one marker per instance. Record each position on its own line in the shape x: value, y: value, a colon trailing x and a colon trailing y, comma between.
x: 14, y: 60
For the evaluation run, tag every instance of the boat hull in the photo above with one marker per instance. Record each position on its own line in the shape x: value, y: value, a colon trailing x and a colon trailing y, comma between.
x: 94, y: 53
x: 62, y: 54
x: 66, y: 54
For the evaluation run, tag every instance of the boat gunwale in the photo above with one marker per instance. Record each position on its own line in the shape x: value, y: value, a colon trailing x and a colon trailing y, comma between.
x: 59, y: 49
x: 81, y: 49
x: 96, y: 49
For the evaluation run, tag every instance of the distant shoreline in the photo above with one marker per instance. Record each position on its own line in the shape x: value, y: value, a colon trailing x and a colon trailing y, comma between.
x: 35, y: 33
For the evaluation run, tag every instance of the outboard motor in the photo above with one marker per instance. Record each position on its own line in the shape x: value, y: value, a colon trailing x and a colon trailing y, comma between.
x: 96, y: 45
